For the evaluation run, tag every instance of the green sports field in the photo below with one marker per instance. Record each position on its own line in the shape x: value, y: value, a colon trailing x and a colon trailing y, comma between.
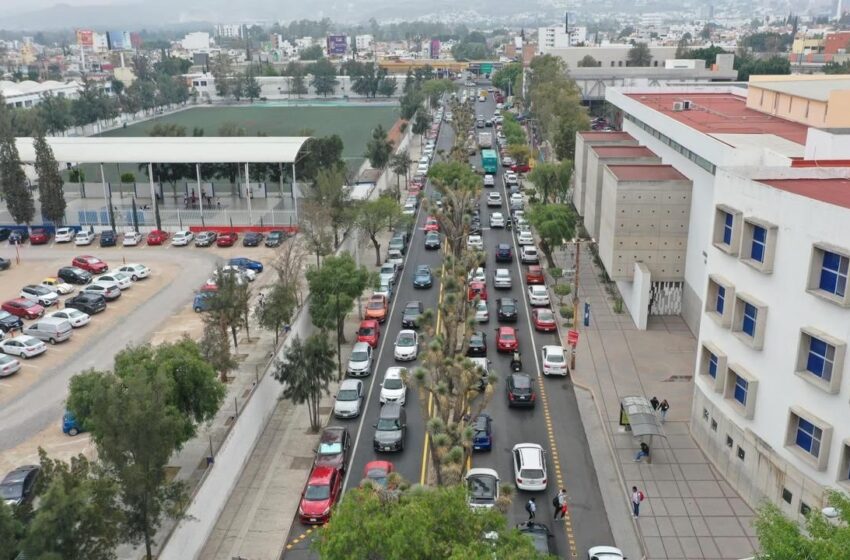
x: 353, y: 123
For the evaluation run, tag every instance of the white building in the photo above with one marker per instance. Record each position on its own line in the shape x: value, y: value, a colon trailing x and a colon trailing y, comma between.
x: 764, y: 284
x: 556, y: 37
x: 230, y: 30
x: 363, y: 42
x: 196, y: 41
x: 29, y: 93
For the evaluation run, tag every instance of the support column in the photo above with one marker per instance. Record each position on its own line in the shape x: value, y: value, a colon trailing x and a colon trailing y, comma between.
x: 294, y: 197
x: 200, y: 193
x: 248, y: 194
x: 106, y: 198
x: 150, y: 176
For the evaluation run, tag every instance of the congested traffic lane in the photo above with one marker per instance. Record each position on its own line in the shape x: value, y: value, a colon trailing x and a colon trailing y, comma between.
x: 554, y: 422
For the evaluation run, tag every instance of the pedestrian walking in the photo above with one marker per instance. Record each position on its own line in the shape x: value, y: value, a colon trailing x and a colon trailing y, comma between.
x: 654, y: 402
x: 560, y: 503
x: 637, y: 498
x: 644, y: 452
x: 664, y: 407
x: 531, y: 508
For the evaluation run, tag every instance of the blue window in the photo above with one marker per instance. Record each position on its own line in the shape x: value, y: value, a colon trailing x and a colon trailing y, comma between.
x: 728, y: 222
x: 721, y: 300
x: 741, y: 386
x: 820, y: 359
x: 808, y: 437
x: 712, y: 365
x: 759, y: 243
x: 833, y: 273
x: 748, y: 325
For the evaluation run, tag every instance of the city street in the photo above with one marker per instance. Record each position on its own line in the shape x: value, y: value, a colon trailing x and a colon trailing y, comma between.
x: 554, y: 423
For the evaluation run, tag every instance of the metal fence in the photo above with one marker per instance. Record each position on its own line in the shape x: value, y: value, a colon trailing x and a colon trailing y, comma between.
x: 172, y: 218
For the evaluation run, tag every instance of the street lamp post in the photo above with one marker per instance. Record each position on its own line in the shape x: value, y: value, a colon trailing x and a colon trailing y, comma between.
x: 577, y: 243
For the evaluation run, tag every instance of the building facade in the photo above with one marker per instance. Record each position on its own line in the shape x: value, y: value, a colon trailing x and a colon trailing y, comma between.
x: 558, y: 37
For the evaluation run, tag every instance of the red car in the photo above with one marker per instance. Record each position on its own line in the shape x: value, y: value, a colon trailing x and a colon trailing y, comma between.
x: 226, y: 239
x: 431, y: 224
x: 543, y: 319
x: 90, y: 263
x: 23, y: 308
x: 506, y: 340
x: 534, y: 275
x: 321, y: 493
x: 39, y: 237
x: 157, y: 237
x: 414, y: 189
x: 520, y: 168
x: 369, y: 332
x: 378, y: 472
x: 209, y: 286
x: 476, y: 288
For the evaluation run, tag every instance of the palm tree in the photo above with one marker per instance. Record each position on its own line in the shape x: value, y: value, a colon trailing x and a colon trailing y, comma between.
x: 400, y: 165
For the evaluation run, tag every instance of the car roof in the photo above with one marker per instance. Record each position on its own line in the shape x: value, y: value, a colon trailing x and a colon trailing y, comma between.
x: 415, y: 303
x: 398, y: 369
x: 377, y: 297
x: 320, y: 475
x: 481, y: 471
x: 392, y: 372
x: 530, y: 453
x: 350, y: 384
x: 332, y: 433
x: 537, y: 288
x: 423, y: 268
x: 19, y: 474
x: 504, y: 246
x: 361, y: 345
x: 552, y: 349
x: 504, y: 329
x: 521, y: 380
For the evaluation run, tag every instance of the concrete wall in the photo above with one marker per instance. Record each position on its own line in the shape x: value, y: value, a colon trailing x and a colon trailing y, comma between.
x: 278, y: 87
x: 583, y: 144
x: 636, y: 295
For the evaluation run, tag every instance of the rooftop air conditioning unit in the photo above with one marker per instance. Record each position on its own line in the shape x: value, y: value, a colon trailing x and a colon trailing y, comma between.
x: 687, y: 104
x: 678, y: 106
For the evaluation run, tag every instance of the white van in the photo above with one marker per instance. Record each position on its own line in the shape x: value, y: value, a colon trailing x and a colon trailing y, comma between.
x: 50, y: 329
x: 83, y: 237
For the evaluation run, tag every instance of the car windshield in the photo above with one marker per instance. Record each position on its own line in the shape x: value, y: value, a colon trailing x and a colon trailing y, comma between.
x: 555, y: 357
x: 367, y: 331
x: 393, y: 383
x: 31, y: 342
x: 26, y: 304
x: 531, y: 473
x: 406, y: 340
x: 387, y: 424
x: 317, y: 492
x: 347, y: 395
x: 482, y: 487
x: 333, y: 448
x: 12, y: 491
x: 508, y: 336
x: 359, y: 356
x: 375, y: 304
x: 482, y: 306
x: 378, y: 475
x: 522, y: 384
x: 508, y: 307
x: 545, y: 315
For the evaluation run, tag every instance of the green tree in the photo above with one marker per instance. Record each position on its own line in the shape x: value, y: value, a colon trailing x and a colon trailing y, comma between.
x: 435, y: 89
x: 330, y: 193
x: 13, y: 182
x: 400, y: 165
x: 313, y: 52
x: 55, y: 113
x: 333, y: 288
x: 319, y: 153
x: 588, y: 61
x: 10, y: 529
x: 553, y: 223
x: 215, y: 346
x: 387, y: 86
x: 277, y: 309
x: 222, y: 70
x: 230, y: 305
x: 50, y: 191
x: 422, y: 522
x: 421, y: 124
x: 306, y: 371
x: 138, y: 416
x: 459, y: 187
x: 775, y: 65
x: 505, y: 77
x: 374, y: 216
x: 410, y: 102
x: 379, y: 148
x: 172, y: 66
x: 837, y: 67
x: 324, y: 79
x: 252, y: 86
x: 552, y: 180
x: 78, y: 515
x: 92, y: 105
x: 639, y: 55
x: 708, y: 54
x: 297, y: 84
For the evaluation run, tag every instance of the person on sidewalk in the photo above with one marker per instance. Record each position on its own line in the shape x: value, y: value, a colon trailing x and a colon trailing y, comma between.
x: 531, y: 508
x: 654, y: 402
x: 637, y: 498
x: 644, y: 452
x: 560, y: 503
x: 664, y: 407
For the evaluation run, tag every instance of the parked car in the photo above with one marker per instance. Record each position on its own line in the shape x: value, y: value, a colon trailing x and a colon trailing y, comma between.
x: 477, y: 274
x: 431, y: 224
x: 64, y: 234
x: 534, y: 274
x: 396, y: 257
x: 108, y: 238
x: 544, y: 320
x: 226, y: 239
x: 243, y: 262
x: 39, y: 237
x: 202, y: 301
x: 122, y: 280
x: 275, y: 238
x: 50, y: 329
x: 70, y: 425
x: 519, y: 388
x: 389, y: 272
x: 506, y: 339
x: 482, y: 488
x: 529, y: 467
x: 378, y: 472
x: 74, y: 275
x: 323, y: 490
x: 475, y: 243
x: 182, y: 238
x: 135, y: 271
x: 478, y: 289
x: 398, y: 242
x: 377, y: 308
x: 393, y: 387
x: 83, y: 237
x: 252, y: 239
x: 333, y: 449
x: 109, y: 290
x: 90, y: 264
x: 18, y: 486
x: 391, y: 428
x: 8, y: 365
x: 87, y: 303
x: 18, y: 237
x: 538, y: 295
x: 360, y: 360
x: 539, y: 534
x: 369, y: 332
x: 41, y: 295
x: 23, y: 346
x: 482, y: 314
x: 482, y: 433
x: 23, y: 308
x: 75, y: 317
x: 412, y: 314
x: 157, y: 237
x: 554, y: 361
x: 507, y: 310
x: 5, y: 264
x: 520, y: 168
x: 524, y: 238
x: 57, y: 285
x: 477, y: 344
x: 9, y: 322
x: 528, y: 255
x: 432, y: 240
x: 132, y: 238
x: 406, y: 346
x: 605, y: 553
x: 205, y: 238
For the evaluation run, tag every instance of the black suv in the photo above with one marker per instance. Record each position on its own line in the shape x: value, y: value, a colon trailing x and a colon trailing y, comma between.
x: 87, y: 303
x: 9, y: 322
x: 74, y: 275
x: 411, y: 314
x: 108, y: 238
x: 504, y: 253
x: 506, y: 309
x: 274, y: 239
x: 477, y: 345
x: 18, y: 236
x: 252, y: 239
x: 520, y: 390
x: 17, y: 486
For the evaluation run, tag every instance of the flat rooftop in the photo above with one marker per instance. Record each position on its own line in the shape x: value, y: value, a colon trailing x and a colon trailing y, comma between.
x: 601, y: 135
x: 623, y: 151
x: 722, y: 113
x: 812, y: 87
x: 832, y: 191
x: 646, y: 173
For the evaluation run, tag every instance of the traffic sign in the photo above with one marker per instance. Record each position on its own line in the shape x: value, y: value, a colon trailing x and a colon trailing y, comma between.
x: 572, y: 337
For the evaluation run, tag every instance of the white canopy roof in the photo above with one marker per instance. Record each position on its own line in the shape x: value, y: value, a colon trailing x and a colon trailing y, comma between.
x: 168, y: 149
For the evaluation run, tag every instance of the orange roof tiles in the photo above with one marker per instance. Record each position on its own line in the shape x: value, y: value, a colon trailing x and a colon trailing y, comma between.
x: 832, y: 191
x: 646, y: 173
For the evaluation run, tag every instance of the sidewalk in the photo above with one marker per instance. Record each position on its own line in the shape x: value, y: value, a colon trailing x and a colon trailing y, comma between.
x: 690, y: 512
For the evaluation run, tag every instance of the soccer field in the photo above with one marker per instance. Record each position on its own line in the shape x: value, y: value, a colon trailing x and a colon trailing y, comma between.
x: 353, y: 123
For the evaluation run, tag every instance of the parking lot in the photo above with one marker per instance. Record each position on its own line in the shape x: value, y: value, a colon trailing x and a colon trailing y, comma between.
x: 156, y: 309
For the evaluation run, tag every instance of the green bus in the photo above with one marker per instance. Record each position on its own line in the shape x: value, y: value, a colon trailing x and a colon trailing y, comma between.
x: 489, y: 161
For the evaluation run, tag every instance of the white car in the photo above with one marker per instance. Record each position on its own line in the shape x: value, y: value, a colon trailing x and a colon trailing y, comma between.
x: 349, y: 399
x: 123, y: 280
x: 502, y: 279
x: 389, y: 272
x: 422, y: 168
x: 83, y: 237
x: 516, y: 202
x: 554, y: 361
x: 511, y: 178
x: 524, y: 238
x: 246, y: 274
x: 8, y: 365
x: 507, y: 161
x: 528, y: 254
x: 74, y: 316
x: 23, y: 346
x: 497, y: 220
x: 385, y: 288
x: 494, y: 199
x: 108, y: 290
x: 64, y: 235
x: 538, y: 295
x: 393, y: 388
x: 529, y: 467
x: 409, y: 209
x: 477, y: 275
x: 482, y: 314
x: 132, y: 238
x: 182, y: 238
x: 489, y: 180
x: 135, y: 271
x: 395, y: 257
x: 57, y: 285
x: 41, y: 295
x: 475, y: 243
x: 605, y: 553
x: 406, y: 345
x: 482, y: 488
x: 424, y: 159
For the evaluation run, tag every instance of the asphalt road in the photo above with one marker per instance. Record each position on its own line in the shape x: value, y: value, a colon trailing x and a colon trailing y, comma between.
x: 588, y: 523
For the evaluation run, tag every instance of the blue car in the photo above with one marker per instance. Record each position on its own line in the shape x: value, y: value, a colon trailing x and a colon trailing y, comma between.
x: 202, y: 301
x: 482, y: 428
x: 242, y: 262
x: 70, y: 425
x: 422, y: 278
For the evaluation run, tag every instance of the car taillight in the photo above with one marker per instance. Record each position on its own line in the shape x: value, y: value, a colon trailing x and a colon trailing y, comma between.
x: 519, y: 481
x: 533, y: 396
x: 544, y: 481
x: 510, y: 396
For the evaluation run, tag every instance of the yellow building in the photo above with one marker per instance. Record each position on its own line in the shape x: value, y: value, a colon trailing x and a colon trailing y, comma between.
x: 28, y: 54
x: 396, y: 66
x: 820, y: 101
x: 807, y: 45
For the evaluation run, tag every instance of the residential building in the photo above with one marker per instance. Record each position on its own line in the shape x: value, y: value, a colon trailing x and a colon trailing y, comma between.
x: 28, y: 93
x: 558, y: 37
x: 230, y: 30
x: 196, y: 41
x: 363, y: 42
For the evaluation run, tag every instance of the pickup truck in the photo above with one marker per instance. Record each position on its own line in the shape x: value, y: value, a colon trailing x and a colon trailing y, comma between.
x: 485, y: 140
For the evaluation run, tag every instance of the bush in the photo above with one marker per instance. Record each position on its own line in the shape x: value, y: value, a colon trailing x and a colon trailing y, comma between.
x: 555, y: 273
x: 128, y: 178
x: 618, y: 305
x: 566, y: 311
x: 562, y: 290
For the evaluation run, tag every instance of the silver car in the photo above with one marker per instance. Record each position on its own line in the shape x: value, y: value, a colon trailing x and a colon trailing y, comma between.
x: 502, y: 279
x: 349, y: 399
